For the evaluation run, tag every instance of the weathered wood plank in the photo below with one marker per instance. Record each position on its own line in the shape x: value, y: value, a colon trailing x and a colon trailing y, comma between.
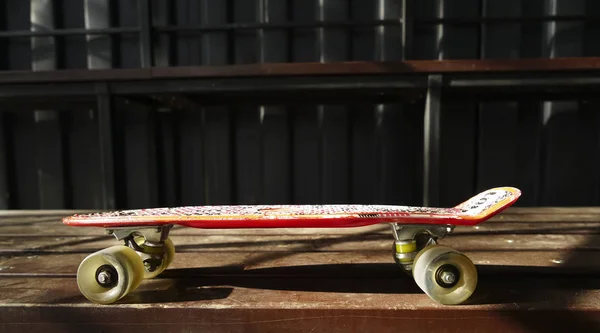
x: 238, y: 302
x: 315, y: 264
x: 61, y: 319
x: 298, y: 292
x: 537, y: 272
x: 307, y: 242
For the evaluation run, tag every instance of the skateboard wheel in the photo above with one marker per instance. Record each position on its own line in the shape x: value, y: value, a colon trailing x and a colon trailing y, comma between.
x: 445, y: 275
x: 169, y: 252
x: 108, y: 275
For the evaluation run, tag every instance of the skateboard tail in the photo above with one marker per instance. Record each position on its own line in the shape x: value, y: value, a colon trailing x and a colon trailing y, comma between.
x: 487, y: 204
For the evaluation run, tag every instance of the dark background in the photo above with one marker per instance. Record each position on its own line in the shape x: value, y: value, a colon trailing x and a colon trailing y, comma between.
x: 344, y: 152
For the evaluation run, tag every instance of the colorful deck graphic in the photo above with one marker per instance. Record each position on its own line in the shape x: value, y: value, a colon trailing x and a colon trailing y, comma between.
x: 470, y: 212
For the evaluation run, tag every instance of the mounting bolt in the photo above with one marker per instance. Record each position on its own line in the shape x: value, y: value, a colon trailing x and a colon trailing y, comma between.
x: 448, y: 277
x: 107, y: 276
x: 104, y: 278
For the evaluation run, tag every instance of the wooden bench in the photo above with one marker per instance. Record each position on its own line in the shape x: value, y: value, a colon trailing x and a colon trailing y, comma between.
x: 538, y: 272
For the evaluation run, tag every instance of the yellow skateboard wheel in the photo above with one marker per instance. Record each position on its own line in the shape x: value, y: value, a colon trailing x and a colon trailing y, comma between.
x: 445, y: 275
x: 169, y: 252
x: 108, y: 275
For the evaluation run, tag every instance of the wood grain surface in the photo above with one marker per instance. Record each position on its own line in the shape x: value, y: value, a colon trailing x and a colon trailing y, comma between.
x: 538, y: 272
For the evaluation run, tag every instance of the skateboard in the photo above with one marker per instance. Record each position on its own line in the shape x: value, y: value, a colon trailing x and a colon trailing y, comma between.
x: 445, y: 275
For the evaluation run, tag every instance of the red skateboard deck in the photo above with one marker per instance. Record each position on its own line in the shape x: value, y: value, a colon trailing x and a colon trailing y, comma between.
x: 471, y: 212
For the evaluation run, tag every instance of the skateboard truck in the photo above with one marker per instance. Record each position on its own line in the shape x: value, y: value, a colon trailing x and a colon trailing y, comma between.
x: 410, y: 239
x: 444, y: 274
x: 149, y: 243
x: 109, y: 274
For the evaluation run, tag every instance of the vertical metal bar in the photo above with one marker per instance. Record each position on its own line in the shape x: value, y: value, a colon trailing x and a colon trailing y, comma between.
x: 146, y: 47
x: 482, y: 29
x: 549, y: 35
x: 387, y: 49
x: 431, y: 139
x: 107, y: 177
x: 439, y: 42
x: 163, y: 44
x: 321, y: 108
x: 407, y: 28
x: 43, y: 50
x: 5, y: 193
x: 213, y: 45
x: 216, y: 126
x: 274, y: 131
x: 321, y: 33
x: 97, y: 16
x: 46, y: 122
x: 549, y: 51
x: 262, y: 16
x: 334, y: 119
x: 380, y: 14
x: 4, y: 63
x: 4, y: 167
x: 380, y: 55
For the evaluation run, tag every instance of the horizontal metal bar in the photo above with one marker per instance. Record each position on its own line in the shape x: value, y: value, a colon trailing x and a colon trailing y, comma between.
x: 298, y: 25
x: 148, y: 84
x: 212, y: 85
x: 40, y: 102
x: 284, y: 25
x: 523, y: 82
x: 47, y: 90
x: 283, y: 91
x: 175, y: 101
x: 68, y: 32
x: 519, y: 20
x: 483, y: 79
x: 578, y: 67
